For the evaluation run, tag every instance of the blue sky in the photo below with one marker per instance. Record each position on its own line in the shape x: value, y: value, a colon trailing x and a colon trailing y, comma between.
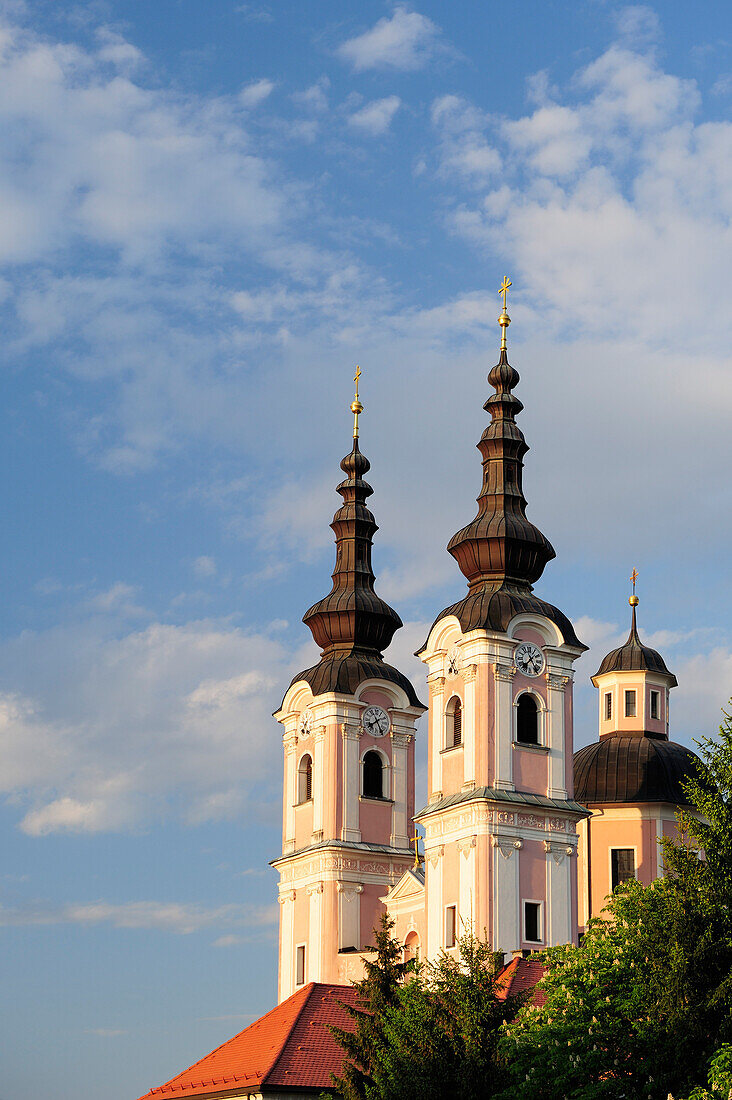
x: 211, y: 212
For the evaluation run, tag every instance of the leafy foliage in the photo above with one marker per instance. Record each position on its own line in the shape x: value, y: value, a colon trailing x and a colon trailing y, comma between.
x: 720, y: 1077
x: 435, y: 1035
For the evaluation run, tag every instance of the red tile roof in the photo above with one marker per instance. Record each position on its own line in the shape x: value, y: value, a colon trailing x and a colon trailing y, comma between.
x: 519, y: 976
x: 290, y: 1047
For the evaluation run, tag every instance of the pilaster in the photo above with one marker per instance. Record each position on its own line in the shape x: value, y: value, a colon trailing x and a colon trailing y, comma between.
x: 351, y: 783
x: 503, y: 675
x: 506, y: 916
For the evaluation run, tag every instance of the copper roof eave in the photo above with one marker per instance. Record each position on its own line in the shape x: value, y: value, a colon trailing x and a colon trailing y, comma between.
x: 516, y: 798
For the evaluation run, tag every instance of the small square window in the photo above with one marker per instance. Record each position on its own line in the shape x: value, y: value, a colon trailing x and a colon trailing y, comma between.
x: 450, y: 925
x: 608, y: 705
x: 300, y: 965
x: 655, y: 704
x: 630, y: 704
x: 532, y: 921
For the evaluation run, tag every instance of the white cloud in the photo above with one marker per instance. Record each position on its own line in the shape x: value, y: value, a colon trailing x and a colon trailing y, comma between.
x: 104, y: 732
x: 464, y: 150
x: 405, y: 41
x: 376, y: 117
x: 256, y: 92
x: 204, y: 566
x: 314, y: 98
x: 177, y: 917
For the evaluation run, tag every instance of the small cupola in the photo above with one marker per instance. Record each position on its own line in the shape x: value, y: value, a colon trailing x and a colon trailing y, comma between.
x: 634, y: 685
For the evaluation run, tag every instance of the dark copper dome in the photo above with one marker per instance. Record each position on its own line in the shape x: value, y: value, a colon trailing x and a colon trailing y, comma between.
x: 633, y: 768
x: 352, y: 624
x: 500, y: 552
x: 633, y: 656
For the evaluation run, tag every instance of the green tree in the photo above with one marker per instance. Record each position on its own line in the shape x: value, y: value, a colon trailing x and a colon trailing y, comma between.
x: 720, y: 1077
x: 377, y: 992
x: 437, y: 1034
x: 639, y: 1009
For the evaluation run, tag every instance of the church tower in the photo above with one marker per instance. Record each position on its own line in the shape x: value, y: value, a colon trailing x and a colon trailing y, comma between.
x: 348, y: 793
x: 500, y: 823
x: 632, y: 779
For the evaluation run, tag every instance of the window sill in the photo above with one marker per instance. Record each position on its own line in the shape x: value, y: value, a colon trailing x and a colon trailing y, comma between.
x: 532, y: 748
x: 451, y: 748
x: 306, y: 802
x: 375, y: 798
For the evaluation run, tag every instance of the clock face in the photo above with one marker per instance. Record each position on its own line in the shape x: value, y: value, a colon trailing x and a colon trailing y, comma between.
x: 529, y: 659
x: 453, y: 661
x: 303, y: 728
x: 376, y: 721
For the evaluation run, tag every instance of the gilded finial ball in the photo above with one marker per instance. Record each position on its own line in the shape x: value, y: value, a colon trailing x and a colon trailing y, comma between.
x: 356, y: 407
x: 633, y: 601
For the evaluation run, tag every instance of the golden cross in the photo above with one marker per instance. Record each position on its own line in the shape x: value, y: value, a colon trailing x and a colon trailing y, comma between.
x: 634, y: 578
x: 356, y: 406
x: 504, y: 289
x: 418, y: 859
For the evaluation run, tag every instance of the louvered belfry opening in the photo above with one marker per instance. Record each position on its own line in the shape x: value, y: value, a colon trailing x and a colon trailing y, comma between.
x: 305, y: 779
x: 454, y: 723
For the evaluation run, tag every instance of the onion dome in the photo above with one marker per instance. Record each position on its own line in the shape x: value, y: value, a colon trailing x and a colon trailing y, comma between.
x: 352, y: 625
x: 500, y: 552
x: 633, y: 656
x: 633, y: 768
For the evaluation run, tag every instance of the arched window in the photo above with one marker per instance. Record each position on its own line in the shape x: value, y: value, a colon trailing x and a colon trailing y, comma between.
x: 305, y: 779
x: 411, y: 947
x: 373, y: 775
x: 454, y: 725
x: 527, y: 720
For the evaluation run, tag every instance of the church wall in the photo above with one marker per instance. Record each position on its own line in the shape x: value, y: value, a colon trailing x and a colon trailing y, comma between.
x: 530, y: 770
x: 375, y: 820
x: 453, y: 769
x: 371, y: 909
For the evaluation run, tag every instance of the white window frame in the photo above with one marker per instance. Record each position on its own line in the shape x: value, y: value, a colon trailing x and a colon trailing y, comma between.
x: 304, y: 947
x: 540, y: 922
x: 446, y: 731
x: 657, y: 694
x: 630, y: 695
x: 304, y: 801
x: 454, y: 908
x: 621, y: 848
x: 540, y: 720
x: 385, y: 775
